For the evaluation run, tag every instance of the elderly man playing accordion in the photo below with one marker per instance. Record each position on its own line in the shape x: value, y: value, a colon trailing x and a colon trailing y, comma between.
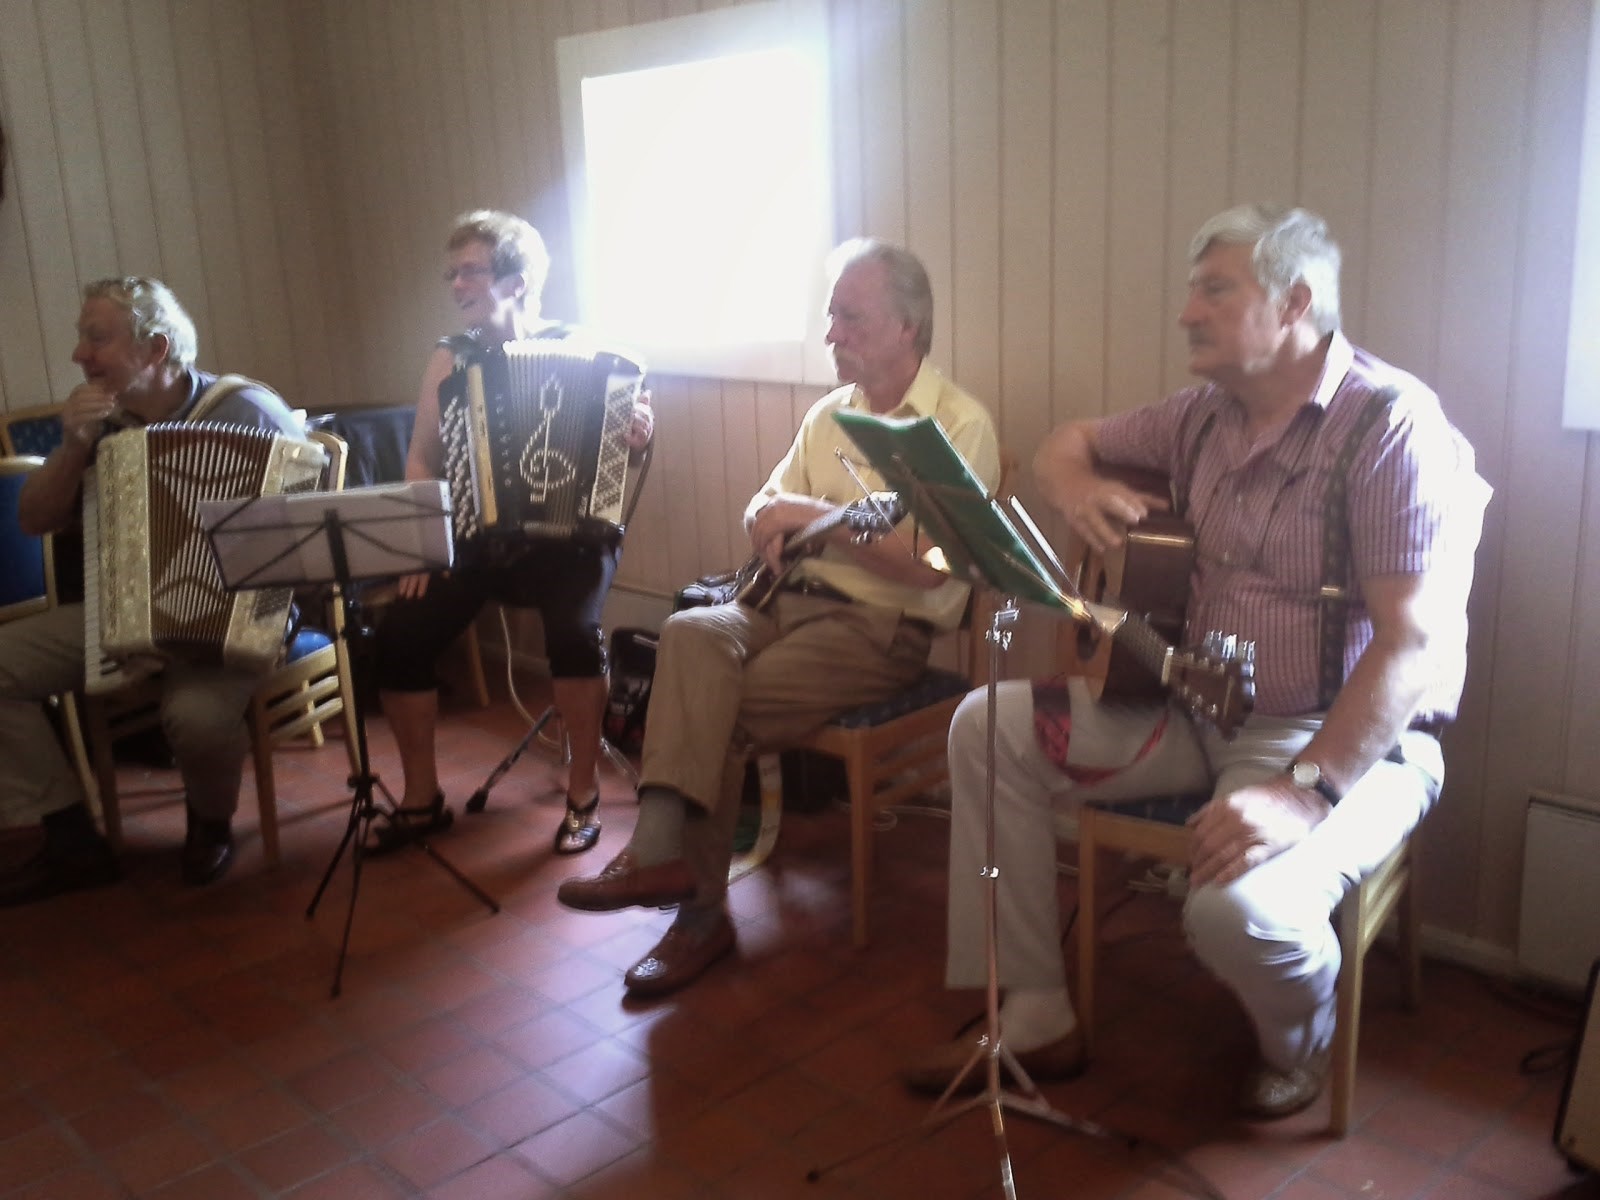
x: 136, y: 348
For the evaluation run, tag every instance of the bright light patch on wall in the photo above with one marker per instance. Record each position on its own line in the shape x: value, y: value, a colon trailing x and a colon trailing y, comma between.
x: 1580, y: 407
x: 698, y: 161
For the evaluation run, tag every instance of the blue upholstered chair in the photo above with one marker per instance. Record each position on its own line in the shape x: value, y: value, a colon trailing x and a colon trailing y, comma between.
x: 27, y: 586
x: 31, y: 431
x: 25, y: 566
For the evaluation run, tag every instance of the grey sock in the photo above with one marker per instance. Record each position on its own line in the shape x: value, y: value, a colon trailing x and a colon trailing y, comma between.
x: 658, y: 837
x: 697, y: 920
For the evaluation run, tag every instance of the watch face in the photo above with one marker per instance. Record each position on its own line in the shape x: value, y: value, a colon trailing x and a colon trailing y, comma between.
x: 1306, y: 774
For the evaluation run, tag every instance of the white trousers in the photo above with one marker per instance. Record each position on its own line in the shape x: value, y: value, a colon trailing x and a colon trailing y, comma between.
x: 1267, y: 935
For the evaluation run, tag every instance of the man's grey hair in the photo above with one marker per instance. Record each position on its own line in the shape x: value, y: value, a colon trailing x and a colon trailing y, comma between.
x: 1291, y: 246
x: 152, y: 309
x: 909, y: 289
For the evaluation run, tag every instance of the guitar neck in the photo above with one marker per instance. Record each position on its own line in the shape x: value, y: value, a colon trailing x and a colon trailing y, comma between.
x: 1149, y: 648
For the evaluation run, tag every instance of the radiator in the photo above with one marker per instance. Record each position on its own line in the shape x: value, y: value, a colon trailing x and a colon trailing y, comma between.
x: 1559, y: 936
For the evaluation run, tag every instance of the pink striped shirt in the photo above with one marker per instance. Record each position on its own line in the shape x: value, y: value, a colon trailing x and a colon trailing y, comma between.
x: 1415, y: 504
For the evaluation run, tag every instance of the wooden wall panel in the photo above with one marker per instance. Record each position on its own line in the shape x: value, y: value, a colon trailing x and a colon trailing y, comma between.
x: 1048, y: 159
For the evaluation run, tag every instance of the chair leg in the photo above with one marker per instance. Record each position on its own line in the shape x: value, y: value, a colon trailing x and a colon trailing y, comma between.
x: 1347, y: 1010
x: 1410, y: 922
x: 347, y: 694
x: 266, y: 786
x: 1088, y: 933
x: 771, y: 776
x: 105, y: 769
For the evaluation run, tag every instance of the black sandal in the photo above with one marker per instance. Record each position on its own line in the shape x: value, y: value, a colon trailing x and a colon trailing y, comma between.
x: 579, y: 829
x: 404, y: 825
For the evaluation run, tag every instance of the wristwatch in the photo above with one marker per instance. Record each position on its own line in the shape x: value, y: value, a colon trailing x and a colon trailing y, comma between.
x: 1308, y: 775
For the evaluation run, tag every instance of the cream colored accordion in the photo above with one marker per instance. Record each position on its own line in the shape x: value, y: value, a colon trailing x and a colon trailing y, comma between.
x: 152, y: 591
x: 534, y: 437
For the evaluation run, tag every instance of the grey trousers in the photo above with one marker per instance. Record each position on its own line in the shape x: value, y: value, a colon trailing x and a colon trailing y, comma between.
x: 1267, y: 935
x: 729, y: 678
x: 202, y: 713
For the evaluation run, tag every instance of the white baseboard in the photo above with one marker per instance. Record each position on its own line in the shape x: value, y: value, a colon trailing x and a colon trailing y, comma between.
x: 1474, y: 953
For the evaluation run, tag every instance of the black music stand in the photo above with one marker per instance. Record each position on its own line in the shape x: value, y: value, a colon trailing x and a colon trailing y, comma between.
x: 338, y: 538
x: 917, y: 460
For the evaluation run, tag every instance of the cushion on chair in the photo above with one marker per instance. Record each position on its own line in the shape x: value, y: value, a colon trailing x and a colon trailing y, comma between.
x: 306, y: 641
x: 934, y: 686
x: 1171, y: 809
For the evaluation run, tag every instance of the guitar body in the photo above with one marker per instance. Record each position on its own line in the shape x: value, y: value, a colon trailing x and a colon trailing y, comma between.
x: 1148, y: 575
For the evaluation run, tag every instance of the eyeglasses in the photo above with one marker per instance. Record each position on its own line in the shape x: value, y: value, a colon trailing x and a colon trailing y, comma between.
x: 469, y: 271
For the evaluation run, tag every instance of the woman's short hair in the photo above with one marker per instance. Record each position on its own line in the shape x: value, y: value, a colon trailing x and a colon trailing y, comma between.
x: 515, y: 247
x: 909, y: 289
x: 1291, y: 246
x: 152, y: 309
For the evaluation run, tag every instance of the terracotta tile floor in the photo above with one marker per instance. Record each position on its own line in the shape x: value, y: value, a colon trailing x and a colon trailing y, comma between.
x: 164, y: 1042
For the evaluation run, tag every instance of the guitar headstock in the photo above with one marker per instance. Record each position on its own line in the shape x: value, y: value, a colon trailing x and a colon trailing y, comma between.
x: 1216, y: 681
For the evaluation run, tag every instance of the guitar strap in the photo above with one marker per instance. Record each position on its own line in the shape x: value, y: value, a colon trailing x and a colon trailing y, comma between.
x: 1334, y: 596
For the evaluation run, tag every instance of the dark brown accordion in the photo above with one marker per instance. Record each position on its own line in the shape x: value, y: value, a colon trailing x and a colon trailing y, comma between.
x: 534, y: 439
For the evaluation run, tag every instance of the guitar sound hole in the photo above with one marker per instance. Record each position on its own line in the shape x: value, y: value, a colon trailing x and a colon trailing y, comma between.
x: 1089, y: 637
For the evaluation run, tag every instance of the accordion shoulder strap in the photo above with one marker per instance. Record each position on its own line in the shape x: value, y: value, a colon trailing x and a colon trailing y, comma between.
x: 219, y: 391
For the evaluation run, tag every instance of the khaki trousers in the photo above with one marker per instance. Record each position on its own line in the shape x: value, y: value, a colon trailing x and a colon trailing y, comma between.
x: 729, y: 678
x: 202, y: 713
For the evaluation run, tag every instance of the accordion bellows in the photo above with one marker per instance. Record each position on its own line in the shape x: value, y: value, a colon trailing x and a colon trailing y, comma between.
x: 534, y: 436
x: 152, y: 588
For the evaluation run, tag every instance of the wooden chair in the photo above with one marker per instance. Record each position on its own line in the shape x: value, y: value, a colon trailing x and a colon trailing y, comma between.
x: 28, y: 586
x: 31, y: 431
x: 1155, y: 829
x: 892, y: 751
x: 312, y: 685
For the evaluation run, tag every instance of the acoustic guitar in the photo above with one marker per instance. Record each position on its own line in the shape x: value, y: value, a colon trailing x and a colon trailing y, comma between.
x: 866, y: 519
x: 1123, y: 644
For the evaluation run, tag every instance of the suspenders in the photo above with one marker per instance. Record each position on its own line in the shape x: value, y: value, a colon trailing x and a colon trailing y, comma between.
x: 1334, y: 595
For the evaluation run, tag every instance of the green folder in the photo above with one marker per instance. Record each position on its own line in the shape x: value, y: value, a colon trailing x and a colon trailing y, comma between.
x: 939, y: 489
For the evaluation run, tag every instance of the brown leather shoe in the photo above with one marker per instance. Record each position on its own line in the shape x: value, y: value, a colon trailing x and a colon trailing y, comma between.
x: 623, y: 884
x: 678, y: 959
x: 1270, y: 1094
x: 932, y: 1070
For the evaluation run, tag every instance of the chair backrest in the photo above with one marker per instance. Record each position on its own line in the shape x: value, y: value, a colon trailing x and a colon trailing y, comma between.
x: 27, y: 578
x: 31, y: 431
x: 338, y: 451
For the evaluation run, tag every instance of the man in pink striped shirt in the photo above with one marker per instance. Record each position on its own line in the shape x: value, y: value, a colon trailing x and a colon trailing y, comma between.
x: 1336, y: 513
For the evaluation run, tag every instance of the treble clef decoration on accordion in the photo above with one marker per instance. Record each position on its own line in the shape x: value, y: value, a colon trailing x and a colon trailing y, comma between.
x: 534, y: 436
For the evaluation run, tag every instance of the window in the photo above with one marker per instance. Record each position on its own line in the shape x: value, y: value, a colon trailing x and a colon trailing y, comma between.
x: 1581, y: 404
x: 698, y: 168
